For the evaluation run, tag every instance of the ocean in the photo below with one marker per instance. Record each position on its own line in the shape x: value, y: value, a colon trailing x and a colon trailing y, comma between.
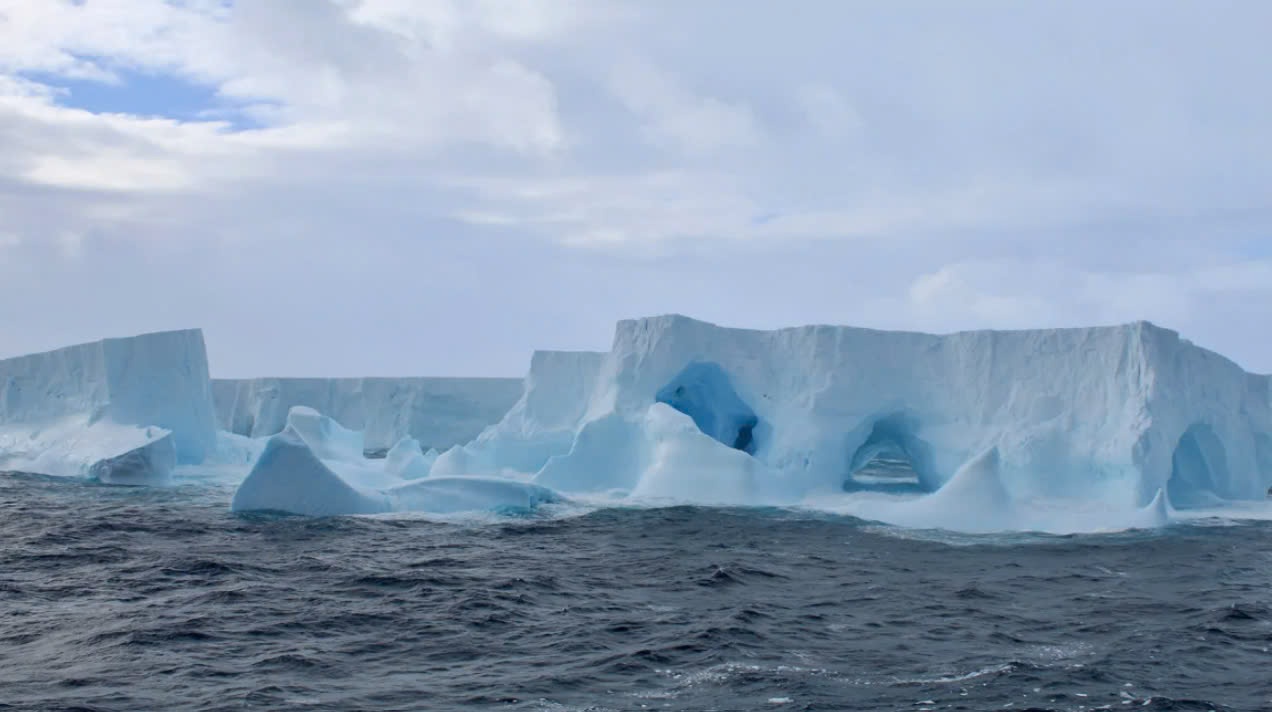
x: 161, y: 599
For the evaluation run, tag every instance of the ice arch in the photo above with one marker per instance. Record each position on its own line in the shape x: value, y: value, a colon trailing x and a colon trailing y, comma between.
x: 1199, y: 468
x: 703, y: 392
x: 892, y: 444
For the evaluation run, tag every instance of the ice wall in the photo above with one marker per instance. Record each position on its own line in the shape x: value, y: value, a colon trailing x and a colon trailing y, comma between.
x: 121, y: 409
x: 158, y: 379
x: 1113, y: 413
x: 542, y: 423
x: 439, y: 412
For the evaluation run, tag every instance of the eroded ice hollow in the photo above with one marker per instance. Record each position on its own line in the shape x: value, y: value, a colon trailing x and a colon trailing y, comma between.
x: 687, y: 410
x: 123, y: 411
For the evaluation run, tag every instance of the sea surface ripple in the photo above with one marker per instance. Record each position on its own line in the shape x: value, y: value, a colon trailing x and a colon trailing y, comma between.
x: 134, y: 599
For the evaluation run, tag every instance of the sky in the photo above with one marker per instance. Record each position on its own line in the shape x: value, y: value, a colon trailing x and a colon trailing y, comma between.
x: 439, y: 187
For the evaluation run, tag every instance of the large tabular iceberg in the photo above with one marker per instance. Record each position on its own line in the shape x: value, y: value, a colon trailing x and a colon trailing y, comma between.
x: 687, y: 410
x: 125, y: 411
x: 989, y: 424
x: 439, y: 412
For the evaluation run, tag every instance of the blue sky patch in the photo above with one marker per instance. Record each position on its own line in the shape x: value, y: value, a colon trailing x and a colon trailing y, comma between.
x: 148, y: 94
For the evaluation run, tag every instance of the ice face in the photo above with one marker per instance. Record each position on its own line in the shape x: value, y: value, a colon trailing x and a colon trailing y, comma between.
x: 1114, y: 415
x: 328, y: 439
x: 148, y: 465
x: 439, y: 412
x: 540, y: 425
x: 122, y: 410
x: 289, y: 477
x: 1128, y: 423
x: 408, y: 460
x: 663, y: 456
x: 109, y: 452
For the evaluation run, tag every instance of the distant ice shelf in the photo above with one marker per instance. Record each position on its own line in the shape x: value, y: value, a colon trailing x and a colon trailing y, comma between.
x: 438, y: 412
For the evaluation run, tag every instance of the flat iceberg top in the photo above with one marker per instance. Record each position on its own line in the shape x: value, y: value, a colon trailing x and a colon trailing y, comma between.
x: 681, y: 321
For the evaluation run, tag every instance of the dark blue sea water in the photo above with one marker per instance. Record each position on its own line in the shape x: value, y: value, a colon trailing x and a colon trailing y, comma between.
x: 134, y: 599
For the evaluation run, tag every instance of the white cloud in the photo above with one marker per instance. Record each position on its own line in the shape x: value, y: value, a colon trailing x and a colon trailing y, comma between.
x: 1252, y: 276
x: 598, y: 159
x: 1001, y: 293
x: 1022, y: 293
x: 319, y: 62
x: 829, y: 113
x: 679, y: 118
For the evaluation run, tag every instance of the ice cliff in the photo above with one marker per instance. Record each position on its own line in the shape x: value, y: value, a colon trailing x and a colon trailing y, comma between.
x: 122, y: 410
x: 1118, y: 414
x: 988, y: 423
x: 439, y: 412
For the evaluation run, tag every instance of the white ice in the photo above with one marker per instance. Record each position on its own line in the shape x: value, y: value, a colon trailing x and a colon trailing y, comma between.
x: 315, y: 467
x: 124, y: 411
x: 1055, y: 430
x: 438, y: 412
x: 1004, y: 430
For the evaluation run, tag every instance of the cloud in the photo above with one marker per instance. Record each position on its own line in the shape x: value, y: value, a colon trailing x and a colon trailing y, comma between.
x: 829, y: 113
x: 482, y: 166
x: 678, y: 118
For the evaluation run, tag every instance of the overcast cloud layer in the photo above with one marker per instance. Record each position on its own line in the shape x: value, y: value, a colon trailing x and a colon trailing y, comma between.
x: 412, y: 187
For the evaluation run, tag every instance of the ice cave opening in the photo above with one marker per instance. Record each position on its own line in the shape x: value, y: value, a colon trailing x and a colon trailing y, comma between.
x: 703, y: 391
x: 892, y: 459
x: 1197, y: 468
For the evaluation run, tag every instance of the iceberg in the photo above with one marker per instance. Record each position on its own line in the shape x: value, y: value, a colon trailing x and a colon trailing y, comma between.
x: 438, y: 412
x: 315, y: 467
x: 1130, y: 416
x: 124, y: 411
x: 988, y: 429
x: 408, y: 460
x: 542, y: 423
x: 663, y: 457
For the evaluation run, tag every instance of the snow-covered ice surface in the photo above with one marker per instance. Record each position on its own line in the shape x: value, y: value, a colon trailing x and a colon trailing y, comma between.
x: 438, y: 412
x: 125, y: 411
